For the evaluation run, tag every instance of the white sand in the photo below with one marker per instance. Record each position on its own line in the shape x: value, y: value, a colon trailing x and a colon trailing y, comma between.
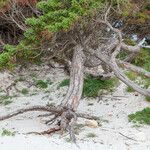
x: 108, y: 135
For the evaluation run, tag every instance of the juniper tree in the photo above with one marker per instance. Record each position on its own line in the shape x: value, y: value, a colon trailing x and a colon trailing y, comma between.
x: 78, y: 31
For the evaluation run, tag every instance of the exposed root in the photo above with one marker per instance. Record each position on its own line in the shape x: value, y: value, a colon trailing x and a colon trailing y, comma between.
x: 65, y: 117
x: 32, y: 108
x: 49, y: 131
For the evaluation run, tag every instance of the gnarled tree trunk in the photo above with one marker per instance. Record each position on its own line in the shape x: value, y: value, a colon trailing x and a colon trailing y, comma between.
x: 75, y: 89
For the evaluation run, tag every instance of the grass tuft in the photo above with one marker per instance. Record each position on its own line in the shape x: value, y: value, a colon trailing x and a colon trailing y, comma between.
x: 130, y: 89
x: 6, y: 132
x: 5, y: 99
x: 147, y: 98
x: 142, y: 117
x: 24, y: 91
x: 131, y: 75
x: 91, y: 135
x: 41, y: 84
x: 65, y: 82
x: 92, y: 85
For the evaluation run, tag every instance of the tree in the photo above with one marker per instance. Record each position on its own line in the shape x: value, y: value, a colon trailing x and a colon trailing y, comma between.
x: 78, y: 31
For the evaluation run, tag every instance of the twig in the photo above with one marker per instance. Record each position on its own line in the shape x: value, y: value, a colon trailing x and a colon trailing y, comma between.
x: 127, y: 137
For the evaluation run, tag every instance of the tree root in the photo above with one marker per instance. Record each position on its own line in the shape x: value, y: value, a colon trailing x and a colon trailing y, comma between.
x: 32, y: 108
x: 53, y: 109
x: 49, y: 131
x: 65, y: 117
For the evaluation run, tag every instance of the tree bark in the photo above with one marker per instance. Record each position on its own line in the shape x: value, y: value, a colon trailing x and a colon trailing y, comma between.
x: 75, y: 89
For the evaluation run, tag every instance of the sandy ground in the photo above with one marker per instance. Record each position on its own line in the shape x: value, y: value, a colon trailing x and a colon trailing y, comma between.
x: 115, y: 132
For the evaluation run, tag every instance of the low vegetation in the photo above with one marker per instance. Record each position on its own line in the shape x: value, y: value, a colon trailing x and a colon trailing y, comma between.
x: 24, y: 91
x: 6, y: 132
x: 130, y: 90
x: 92, y: 85
x: 142, y: 117
x: 147, y: 98
x: 41, y: 84
x: 143, y: 59
x: 5, y: 99
x: 91, y: 135
x: 63, y: 83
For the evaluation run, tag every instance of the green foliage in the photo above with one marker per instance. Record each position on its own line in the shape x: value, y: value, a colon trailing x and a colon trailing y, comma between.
x: 129, y: 42
x: 24, y: 91
x: 5, y: 99
x: 91, y: 135
x: 41, y: 84
x: 143, y: 59
x: 147, y: 98
x: 92, y: 85
x: 65, y: 82
x: 3, y: 3
x: 6, y: 57
x: 59, y: 15
x: 6, y: 132
x: 20, y: 79
x: 122, y: 55
x: 129, y: 89
x: 142, y: 117
x: 131, y: 75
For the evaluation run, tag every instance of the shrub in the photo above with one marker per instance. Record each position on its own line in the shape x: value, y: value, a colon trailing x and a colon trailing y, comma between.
x: 92, y: 85
x: 65, y: 82
x: 24, y: 91
x: 147, y: 98
x: 142, y: 117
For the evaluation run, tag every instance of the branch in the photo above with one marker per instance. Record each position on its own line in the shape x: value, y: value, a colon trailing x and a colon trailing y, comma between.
x: 118, y: 72
x: 136, y: 69
x: 112, y: 62
x: 134, y: 49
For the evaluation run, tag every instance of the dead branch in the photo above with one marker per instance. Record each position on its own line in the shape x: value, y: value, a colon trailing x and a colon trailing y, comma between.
x: 111, y: 62
x: 127, y: 137
x: 136, y: 69
x: 119, y: 73
x: 133, y: 49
